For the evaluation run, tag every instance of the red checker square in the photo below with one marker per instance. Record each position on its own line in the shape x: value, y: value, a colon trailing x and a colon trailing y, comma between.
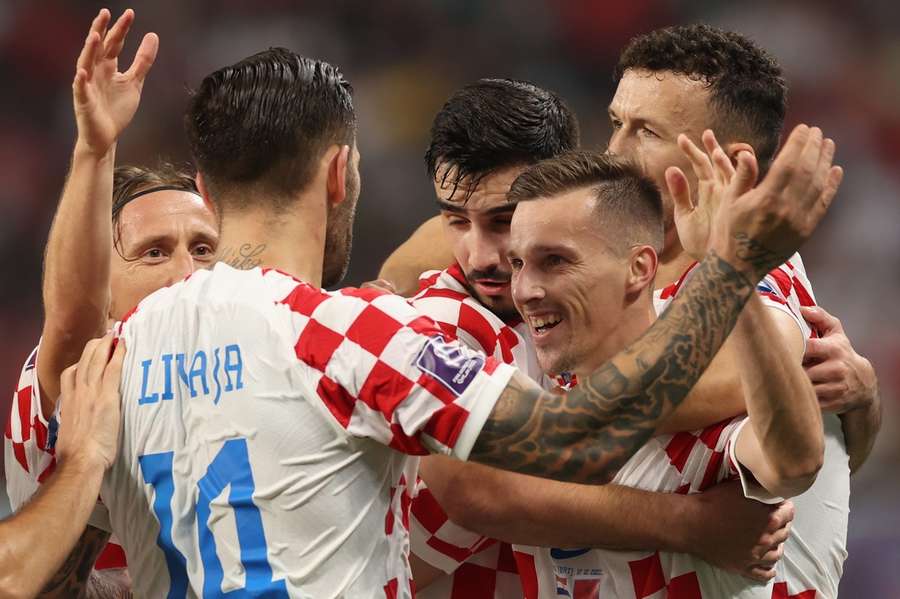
x: 390, y: 589
x: 372, y: 330
x: 436, y: 388
x: 366, y: 294
x: 384, y: 389
x: 782, y: 280
x: 527, y: 574
x: 474, y: 581
x: 446, y: 423
x: 647, y: 576
x: 426, y: 326
x: 459, y: 554
x: 428, y: 512
x: 711, y: 434
x: 506, y: 561
x: 51, y: 467
x: 711, y: 476
x: 340, y: 403
x: 679, y: 449
x: 24, y: 401
x: 304, y: 299
x: 685, y: 586
x: 19, y: 452
x: 317, y: 344
x: 474, y: 323
x: 404, y: 443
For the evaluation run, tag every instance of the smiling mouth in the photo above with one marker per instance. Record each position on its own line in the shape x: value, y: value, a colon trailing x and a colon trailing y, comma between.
x: 540, y: 325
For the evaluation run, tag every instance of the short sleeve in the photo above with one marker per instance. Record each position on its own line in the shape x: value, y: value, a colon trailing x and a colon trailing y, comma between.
x: 387, y: 372
x: 787, y: 289
x: 752, y: 489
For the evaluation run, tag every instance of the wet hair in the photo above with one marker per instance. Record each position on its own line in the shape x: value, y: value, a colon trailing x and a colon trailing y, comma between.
x: 747, y: 91
x: 494, y: 124
x: 627, y: 202
x: 263, y: 123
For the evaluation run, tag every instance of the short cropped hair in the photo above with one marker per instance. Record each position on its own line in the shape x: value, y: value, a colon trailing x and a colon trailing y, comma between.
x: 263, y: 124
x: 627, y: 202
x: 745, y: 83
x: 494, y: 124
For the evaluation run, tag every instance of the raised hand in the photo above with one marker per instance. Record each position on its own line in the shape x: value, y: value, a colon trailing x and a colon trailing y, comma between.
x: 105, y: 100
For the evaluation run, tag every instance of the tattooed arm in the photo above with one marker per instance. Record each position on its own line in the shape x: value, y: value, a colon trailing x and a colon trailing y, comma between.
x: 72, y: 578
x: 587, y: 434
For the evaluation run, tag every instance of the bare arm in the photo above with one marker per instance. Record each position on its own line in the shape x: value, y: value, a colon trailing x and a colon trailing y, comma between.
x: 35, y: 542
x: 77, y: 259
x: 426, y: 249
x: 783, y: 445
x: 587, y: 434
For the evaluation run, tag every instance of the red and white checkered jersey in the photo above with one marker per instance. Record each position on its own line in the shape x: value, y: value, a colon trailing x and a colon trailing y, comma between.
x: 477, y: 567
x: 29, y: 456
x: 267, y: 433
x: 690, y: 462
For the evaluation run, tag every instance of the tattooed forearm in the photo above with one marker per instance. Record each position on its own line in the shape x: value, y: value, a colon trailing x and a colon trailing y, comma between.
x: 244, y: 257
x: 587, y: 434
x: 760, y: 258
x: 71, y: 579
x: 109, y: 584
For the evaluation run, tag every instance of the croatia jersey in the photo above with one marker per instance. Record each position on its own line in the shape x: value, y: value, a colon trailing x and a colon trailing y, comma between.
x: 267, y: 433
x: 29, y: 456
x: 691, y: 462
x: 477, y: 567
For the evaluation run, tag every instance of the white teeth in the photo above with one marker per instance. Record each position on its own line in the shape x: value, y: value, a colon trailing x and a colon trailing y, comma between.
x: 542, y: 321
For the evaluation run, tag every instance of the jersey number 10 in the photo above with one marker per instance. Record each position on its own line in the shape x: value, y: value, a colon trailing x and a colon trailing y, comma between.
x: 231, y: 466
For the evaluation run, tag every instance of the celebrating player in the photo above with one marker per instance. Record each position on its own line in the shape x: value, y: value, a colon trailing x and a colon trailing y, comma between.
x: 161, y: 232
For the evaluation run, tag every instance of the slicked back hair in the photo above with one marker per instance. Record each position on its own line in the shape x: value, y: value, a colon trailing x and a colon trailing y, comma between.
x: 628, y: 204
x: 263, y: 124
x: 494, y: 124
x: 747, y: 91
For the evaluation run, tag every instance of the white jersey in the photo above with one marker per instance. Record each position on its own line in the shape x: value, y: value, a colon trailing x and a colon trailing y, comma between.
x: 266, y: 427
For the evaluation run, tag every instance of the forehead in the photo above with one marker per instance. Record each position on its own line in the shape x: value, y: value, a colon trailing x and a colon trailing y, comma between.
x: 489, y: 193
x: 568, y: 219
x: 663, y: 96
x: 167, y: 212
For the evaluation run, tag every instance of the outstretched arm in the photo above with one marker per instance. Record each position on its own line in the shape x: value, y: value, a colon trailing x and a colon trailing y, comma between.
x: 426, y: 249
x: 587, y: 434
x: 77, y: 259
x: 35, y: 542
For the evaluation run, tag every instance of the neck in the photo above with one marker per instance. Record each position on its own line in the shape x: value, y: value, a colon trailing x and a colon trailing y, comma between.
x: 673, y: 261
x: 293, y: 241
x: 633, y: 322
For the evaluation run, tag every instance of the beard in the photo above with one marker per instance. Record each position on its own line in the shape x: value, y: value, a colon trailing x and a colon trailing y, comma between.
x: 339, y: 234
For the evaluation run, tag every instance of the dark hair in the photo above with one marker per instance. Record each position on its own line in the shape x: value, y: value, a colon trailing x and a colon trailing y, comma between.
x: 627, y: 201
x: 131, y: 182
x: 497, y: 123
x: 264, y: 122
x: 746, y: 86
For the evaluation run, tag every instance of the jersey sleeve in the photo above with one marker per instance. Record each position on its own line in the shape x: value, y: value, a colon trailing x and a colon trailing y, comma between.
x: 387, y: 372
x: 29, y: 438
x: 787, y: 289
x: 752, y: 489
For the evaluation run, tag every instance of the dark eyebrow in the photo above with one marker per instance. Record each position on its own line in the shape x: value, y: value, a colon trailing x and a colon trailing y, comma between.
x: 460, y: 209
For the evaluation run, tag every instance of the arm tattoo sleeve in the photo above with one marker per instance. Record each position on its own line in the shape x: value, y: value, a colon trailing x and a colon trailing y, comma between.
x: 587, y: 434
x: 71, y: 580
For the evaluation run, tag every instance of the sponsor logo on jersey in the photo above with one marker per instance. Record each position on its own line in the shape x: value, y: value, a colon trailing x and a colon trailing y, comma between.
x: 449, y: 364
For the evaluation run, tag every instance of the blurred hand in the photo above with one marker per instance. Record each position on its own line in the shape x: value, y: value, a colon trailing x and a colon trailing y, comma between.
x: 757, y: 227
x: 741, y: 535
x: 105, y: 100
x: 90, y: 406
x: 843, y: 379
x: 382, y: 284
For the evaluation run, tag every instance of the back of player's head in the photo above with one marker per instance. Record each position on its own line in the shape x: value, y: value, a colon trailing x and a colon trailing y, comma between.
x: 131, y: 182
x: 263, y: 123
x: 747, y: 92
x: 497, y: 123
x: 628, y: 204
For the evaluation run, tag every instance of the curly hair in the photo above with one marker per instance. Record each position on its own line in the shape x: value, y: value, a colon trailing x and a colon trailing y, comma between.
x: 747, y: 91
x: 497, y: 123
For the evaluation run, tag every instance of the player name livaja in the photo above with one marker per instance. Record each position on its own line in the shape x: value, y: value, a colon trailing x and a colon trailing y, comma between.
x: 217, y: 371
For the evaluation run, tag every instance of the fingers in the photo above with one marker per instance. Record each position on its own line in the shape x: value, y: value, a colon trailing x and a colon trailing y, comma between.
x: 781, y: 516
x: 81, y: 372
x: 88, y: 56
x: 699, y: 160
x: 679, y: 189
x: 112, y: 374
x: 100, y: 358
x: 724, y: 168
x: 785, y: 163
x: 144, y: 58
x: 115, y: 39
x: 829, y: 393
x: 67, y: 381
x: 761, y: 573
x: 817, y: 350
x: 832, y: 184
x: 771, y: 557
x: 821, y: 319
x: 746, y: 173
x: 826, y: 372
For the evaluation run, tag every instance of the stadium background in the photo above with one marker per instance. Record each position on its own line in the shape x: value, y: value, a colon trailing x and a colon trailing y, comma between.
x: 404, y: 57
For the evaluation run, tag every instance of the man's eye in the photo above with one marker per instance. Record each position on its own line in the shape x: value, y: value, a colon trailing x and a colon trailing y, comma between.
x: 203, y: 250
x: 458, y: 222
x: 648, y: 132
x: 515, y: 263
x: 554, y: 260
x: 154, y: 253
x: 616, y: 124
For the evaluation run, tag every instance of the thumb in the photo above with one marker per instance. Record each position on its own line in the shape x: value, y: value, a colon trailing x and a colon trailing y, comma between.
x: 821, y: 319
x: 679, y: 190
x: 745, y: 174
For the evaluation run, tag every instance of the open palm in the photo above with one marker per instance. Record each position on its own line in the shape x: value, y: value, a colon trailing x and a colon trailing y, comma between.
x: 105, y: 100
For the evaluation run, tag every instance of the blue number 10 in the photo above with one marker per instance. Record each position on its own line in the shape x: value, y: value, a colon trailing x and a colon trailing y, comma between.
x: 231, y: 466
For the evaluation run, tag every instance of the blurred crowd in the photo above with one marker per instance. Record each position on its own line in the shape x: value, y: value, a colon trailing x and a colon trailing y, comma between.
x: 404, y: 57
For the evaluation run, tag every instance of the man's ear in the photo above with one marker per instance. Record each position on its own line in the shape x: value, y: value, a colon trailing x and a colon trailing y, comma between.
x: 203, y: 190
x: 337, y: 176
x: 641, y: 270
x: 735, y: 148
